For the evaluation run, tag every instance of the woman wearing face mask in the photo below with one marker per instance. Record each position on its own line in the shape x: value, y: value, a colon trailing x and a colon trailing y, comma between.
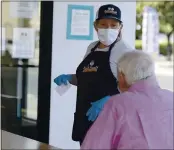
x: 95, y: 77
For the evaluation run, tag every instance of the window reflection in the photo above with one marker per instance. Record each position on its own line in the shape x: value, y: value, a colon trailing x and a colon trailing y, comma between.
x: 19, y: 77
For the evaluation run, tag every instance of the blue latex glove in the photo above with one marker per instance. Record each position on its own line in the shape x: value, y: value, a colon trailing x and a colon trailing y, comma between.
x: 96, y: 108
x: 62, y: 79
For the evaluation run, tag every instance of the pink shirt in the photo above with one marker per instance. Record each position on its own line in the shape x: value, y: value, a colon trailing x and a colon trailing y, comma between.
x: 141, y: 118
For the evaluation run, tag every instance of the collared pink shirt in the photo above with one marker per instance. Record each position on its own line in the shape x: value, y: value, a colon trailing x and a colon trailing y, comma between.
x: 141, y: 118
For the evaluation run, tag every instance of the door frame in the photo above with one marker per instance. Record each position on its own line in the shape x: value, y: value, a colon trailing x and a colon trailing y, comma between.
x: 45, y: 61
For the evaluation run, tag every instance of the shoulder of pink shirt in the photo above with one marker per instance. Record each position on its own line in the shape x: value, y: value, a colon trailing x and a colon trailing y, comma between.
x: 119, y: 100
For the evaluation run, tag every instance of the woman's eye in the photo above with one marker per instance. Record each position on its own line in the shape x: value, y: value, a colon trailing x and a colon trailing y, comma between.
x: 113, y: 25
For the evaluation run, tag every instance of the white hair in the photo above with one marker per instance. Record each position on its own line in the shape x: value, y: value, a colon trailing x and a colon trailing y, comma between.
x: 136, y: 65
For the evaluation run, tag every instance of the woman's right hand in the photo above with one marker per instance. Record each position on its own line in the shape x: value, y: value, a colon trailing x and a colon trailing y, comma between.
x: 63, y: 79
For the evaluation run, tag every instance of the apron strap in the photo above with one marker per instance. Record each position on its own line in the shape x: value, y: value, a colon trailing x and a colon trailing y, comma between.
x: 113, y: 44
x: 95, y: 47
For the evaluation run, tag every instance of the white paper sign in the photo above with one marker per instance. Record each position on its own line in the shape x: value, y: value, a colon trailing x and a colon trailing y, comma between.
x: 2, y: 39
x: 150, y: 30
x: 80, y: 22
x: 62, y: 89
x: 23, y: 9
x: 23, y: 43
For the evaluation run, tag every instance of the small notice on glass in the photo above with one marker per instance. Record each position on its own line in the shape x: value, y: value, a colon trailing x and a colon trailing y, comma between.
x: 2, y: 39
x: 23, y: 9
x: 23, y: 43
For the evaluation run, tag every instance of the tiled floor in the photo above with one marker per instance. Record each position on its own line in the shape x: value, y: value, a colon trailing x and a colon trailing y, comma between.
x: 12, y: 141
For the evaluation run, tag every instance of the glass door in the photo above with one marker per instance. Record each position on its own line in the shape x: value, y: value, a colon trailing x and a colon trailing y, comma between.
x: 23, y: 51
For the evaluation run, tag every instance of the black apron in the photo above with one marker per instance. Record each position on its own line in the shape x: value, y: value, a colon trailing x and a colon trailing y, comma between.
x: 95, y: 80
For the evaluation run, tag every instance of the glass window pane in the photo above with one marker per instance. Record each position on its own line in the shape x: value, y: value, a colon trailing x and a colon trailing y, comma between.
x: 19, y: 78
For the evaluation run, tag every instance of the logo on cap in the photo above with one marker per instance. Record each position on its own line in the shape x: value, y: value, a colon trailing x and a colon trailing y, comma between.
x: 110, y: 11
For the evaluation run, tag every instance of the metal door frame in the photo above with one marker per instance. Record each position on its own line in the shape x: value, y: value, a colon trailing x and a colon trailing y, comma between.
x: 44, y: 85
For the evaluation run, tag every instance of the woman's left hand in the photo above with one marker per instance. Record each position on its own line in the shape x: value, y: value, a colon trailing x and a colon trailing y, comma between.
x: 96, y: 108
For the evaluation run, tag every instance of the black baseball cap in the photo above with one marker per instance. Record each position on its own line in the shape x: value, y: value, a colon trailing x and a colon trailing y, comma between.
x: 109, y: 11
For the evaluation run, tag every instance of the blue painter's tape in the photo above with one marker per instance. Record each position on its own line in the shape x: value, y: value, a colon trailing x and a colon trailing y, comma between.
x: 69, y: 21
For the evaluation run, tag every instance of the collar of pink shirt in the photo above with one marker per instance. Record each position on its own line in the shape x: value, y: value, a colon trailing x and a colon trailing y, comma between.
x: 145, y: 84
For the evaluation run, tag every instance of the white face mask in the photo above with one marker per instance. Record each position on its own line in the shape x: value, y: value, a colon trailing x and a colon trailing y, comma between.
x: 107, y: 36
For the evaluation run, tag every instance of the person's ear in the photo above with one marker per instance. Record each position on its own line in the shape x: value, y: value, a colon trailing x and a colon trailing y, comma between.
x: 122, y: 84
x: 120, y: 34
x: 120, y: 81
x: 121, y: 77
x: 121, y: 26
x: 95, y: 26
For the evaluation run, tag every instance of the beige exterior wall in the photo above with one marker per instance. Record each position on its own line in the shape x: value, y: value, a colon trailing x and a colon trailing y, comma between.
x: 9, y: 22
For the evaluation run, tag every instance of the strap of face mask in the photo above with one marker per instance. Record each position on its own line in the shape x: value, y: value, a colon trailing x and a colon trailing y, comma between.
x: 112, y: 45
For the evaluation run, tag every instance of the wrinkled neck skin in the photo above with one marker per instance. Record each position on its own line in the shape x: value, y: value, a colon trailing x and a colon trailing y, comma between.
x: 101, y: 46
x: 124, y: 89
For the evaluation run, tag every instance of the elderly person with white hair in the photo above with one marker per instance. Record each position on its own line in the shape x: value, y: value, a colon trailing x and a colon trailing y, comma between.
x: 141, y: 117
